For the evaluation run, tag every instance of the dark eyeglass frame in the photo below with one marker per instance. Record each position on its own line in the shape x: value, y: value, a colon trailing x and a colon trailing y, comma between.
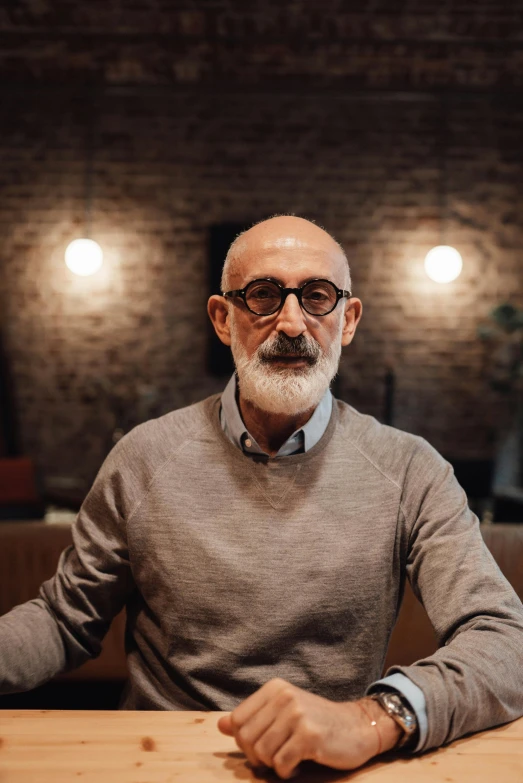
x: 284, y: 293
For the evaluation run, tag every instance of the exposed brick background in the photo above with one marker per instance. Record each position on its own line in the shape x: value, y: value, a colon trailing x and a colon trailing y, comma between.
x: 368, y: 44
x: 203, y: 113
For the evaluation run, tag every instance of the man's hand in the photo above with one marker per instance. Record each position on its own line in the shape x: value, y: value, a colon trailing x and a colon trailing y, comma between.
x: 281, y: 725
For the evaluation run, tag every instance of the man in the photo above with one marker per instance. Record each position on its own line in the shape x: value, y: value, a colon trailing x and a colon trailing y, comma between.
x: 260, y: 540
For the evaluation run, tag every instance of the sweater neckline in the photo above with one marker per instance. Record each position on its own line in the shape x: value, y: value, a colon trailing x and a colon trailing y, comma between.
x: 212, y: 410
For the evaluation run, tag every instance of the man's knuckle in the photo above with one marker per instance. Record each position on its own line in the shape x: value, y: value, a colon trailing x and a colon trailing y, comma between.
x: 262, y: 752
x: 295, y: 713
x: 235, y: 723
x: 283, y: 763
x: 243, y: 735
x: 312, y: 733
x: 288, y: 694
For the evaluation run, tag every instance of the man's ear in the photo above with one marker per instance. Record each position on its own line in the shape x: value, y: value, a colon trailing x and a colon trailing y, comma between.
x: 218, y: 309
x: 353, y: 311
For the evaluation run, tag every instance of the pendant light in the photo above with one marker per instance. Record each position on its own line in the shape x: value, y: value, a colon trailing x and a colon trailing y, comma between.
x: 84, y: 256
x: 443, y: 263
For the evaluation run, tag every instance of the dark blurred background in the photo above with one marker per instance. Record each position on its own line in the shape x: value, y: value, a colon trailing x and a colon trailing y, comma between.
x: 165, y: 126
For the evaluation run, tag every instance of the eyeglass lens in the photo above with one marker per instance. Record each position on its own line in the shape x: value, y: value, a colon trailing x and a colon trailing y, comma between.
x: 317, y: 297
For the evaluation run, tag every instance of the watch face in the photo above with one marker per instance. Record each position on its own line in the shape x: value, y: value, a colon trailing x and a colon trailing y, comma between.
x: 397, y: 710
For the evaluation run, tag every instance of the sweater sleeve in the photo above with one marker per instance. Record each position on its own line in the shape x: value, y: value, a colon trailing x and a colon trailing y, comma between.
x: 65, y: 625
x: 473, y: 681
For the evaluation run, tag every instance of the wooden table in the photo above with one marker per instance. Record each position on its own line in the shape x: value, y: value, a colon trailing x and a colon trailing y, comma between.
x: 43, y: 746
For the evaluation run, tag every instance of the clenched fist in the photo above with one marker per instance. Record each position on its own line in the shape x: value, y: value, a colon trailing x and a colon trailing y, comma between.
x: 281, y: 725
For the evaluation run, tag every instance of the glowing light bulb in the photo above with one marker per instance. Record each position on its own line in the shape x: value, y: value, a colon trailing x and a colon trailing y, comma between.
x: 84, y: 257
x: 443, y: 264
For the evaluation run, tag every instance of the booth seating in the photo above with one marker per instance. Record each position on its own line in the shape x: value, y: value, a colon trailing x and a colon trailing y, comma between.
x: 413, y: 637
x: 19, y: 495
x: 29, y: 552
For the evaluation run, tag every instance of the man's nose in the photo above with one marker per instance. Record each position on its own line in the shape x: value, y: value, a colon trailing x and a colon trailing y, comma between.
x: 291, y: 318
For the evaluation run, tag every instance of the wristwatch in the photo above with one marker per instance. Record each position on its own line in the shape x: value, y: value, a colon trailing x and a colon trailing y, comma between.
x: 399, y: 710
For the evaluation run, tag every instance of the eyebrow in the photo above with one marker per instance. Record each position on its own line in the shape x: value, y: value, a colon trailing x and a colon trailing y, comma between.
x: 280, y: 281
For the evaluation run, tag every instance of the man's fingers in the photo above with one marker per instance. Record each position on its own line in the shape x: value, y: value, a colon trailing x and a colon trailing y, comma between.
x: 287, y: 759
x: 256, y: 701
x: 225, y: 725
x: 264, y: 724
x: 253, y: 717
x: 256, y: 728
x: 275, y: 735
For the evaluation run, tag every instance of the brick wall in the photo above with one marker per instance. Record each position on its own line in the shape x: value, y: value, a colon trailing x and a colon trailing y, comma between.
x: 367, y: 44
x: 91, y: 354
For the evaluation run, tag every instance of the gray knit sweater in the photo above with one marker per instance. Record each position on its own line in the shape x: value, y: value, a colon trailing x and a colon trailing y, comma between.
x: 235, y: 570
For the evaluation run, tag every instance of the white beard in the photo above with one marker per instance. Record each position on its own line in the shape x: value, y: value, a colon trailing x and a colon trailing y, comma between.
x: 284, y: 390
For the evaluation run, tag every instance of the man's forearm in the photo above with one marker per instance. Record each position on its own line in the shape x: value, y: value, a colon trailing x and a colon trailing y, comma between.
x: 31, y: 648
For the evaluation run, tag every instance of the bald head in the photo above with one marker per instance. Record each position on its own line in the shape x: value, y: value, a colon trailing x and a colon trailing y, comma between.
x: 278, y: 234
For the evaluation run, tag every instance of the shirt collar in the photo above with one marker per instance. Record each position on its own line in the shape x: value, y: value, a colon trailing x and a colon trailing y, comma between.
x: 300, y: 441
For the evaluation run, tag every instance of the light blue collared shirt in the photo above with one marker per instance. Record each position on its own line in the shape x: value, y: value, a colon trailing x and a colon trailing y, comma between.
x: 299, y: 442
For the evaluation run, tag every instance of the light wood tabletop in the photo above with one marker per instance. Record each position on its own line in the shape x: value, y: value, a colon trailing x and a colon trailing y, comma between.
x: 46, y: 746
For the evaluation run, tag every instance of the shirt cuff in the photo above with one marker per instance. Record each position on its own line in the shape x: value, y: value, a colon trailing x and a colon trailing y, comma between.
x: 414, y: 695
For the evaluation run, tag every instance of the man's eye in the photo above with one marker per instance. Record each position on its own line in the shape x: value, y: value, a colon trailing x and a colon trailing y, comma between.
x: 316, y: 295
x: 262, y: 293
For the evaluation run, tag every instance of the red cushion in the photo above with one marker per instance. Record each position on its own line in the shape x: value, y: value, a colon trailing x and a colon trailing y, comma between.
x: 17, y: 481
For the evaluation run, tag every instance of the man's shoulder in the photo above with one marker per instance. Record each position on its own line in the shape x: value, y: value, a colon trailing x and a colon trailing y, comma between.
x: 388, y: 449
x: 367, y: 430
x: 147, y: 446
x: 144, y: 452
x: 174, y: 428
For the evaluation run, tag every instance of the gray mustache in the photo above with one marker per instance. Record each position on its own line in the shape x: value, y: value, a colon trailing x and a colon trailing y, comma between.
x: 290, y: 346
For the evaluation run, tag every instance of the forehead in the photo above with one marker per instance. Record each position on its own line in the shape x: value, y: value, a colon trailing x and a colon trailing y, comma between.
x: 290, y: 260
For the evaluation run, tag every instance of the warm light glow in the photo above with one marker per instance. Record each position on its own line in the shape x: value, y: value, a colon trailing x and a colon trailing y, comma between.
x: 84, y: 257
x: 443, y: 264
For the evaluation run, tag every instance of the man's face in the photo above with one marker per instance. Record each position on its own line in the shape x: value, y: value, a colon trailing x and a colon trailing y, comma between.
x: 286, y: 361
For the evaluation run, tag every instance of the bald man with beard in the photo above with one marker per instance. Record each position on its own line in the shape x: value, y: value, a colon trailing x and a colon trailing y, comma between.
x: 260, y: 541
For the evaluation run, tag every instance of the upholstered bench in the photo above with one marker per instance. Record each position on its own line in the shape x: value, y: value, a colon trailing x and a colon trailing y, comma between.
x: 413, y: 637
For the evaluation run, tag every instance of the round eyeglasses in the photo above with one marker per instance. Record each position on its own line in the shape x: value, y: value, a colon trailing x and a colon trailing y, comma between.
x: 266, y: 297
